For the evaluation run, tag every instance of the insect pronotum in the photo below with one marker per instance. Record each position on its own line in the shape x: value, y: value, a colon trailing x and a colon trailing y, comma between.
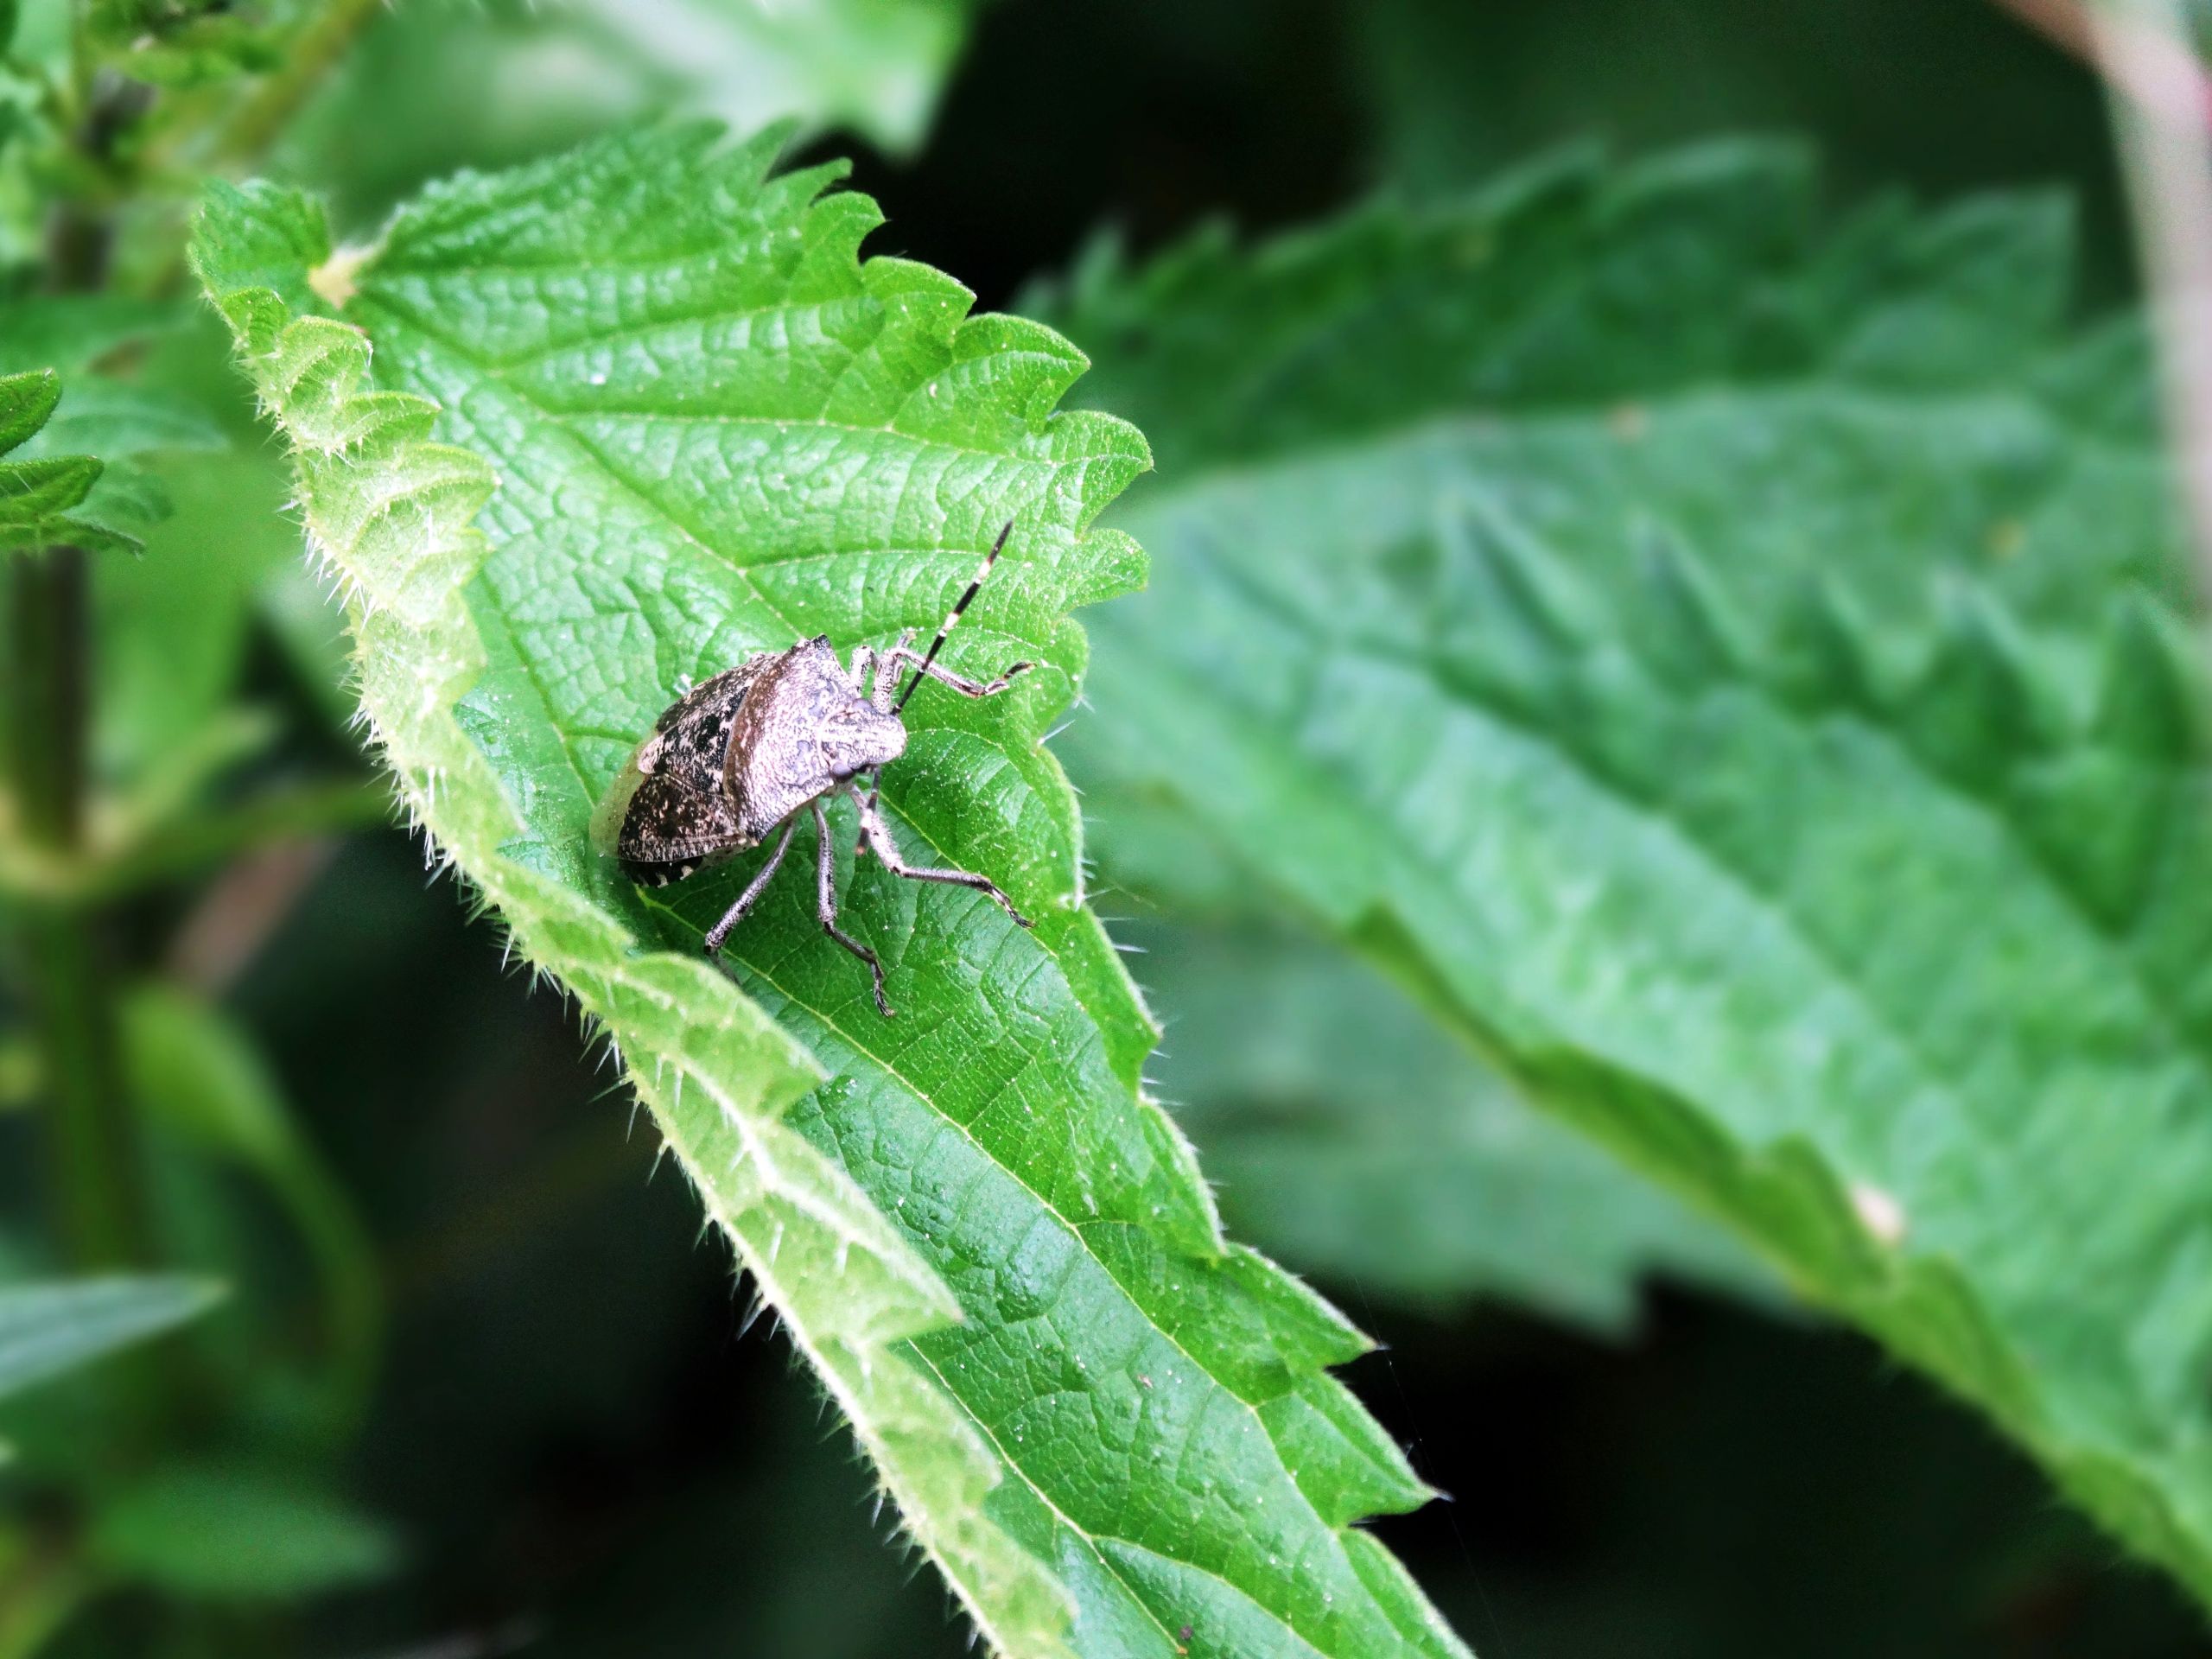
x: 744, y: 754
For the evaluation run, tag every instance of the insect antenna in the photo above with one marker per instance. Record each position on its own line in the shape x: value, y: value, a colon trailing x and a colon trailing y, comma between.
x: 951, y: 620
x: 952, y: 617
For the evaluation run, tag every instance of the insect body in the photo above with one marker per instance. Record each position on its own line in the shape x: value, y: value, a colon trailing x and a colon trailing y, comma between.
x: 741, y: 756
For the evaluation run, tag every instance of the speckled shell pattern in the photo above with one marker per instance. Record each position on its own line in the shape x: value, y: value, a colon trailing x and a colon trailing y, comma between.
x: 730, y: 760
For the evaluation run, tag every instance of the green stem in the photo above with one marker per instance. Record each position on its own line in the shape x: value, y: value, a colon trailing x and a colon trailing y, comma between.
x: 92, y: 1152
x: 49, y: 619
x: 39, y: 1589
x: 94, y: 1172
x: 308, y: 57
x: 185, y: 847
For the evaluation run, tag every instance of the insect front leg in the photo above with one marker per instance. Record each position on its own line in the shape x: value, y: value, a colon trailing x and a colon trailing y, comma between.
x: 899, y: 655
x: 825, y: 873
x: 719, y: 931
x: 886, y: 677
x: 864, y: 665
x: 875, y: 835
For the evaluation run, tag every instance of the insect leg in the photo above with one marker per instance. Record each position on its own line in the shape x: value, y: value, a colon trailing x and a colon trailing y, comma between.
x: 952, y: 616
x: 735, y: 914
x: 875, y: 835
x: 825, y: 871
x: 864, y: 661
x: 886, y: 677
x: 879, y: 697
x: 944, y: 676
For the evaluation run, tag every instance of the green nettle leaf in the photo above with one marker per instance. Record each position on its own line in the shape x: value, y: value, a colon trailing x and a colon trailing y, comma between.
x: 873, y: 65
x: 1676, y: 343
x: 49, y: 1329
x: 229, y: 1534
x: 1343, y: 1128
x: 712, y: 429
x: 72, y: 331
x: 196, y: 1073
x: 1556, y: 690
x: 39, y: 493
x: 1345, y: 1131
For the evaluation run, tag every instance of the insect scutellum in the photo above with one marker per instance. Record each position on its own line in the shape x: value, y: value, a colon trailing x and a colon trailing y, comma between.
x: 739, y: 757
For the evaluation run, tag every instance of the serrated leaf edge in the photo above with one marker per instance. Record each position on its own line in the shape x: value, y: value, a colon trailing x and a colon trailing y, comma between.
x: 373, y: 484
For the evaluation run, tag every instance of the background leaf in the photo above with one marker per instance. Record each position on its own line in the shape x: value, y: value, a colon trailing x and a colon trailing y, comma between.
x: 490, y: 83
x: 229, y: 1535
x: 1610, y: 698
x: 873, y: 66
x: 738, y: 435
x: 1343, y: 1130
x: 198, y: 1075
x: 49, y: 1329
x: 39, y: 494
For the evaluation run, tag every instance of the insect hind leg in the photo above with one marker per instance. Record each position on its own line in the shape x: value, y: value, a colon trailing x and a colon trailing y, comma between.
x: 875, y: 836
x: 825, y: 877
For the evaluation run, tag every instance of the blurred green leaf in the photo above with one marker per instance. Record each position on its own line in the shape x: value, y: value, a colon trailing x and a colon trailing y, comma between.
x: 183, y: 44
x: 193, y: 1070
x: 448, y: 84
x: 1558, y: 692
x: 79, y: 438
x: 738, y: 435
x: 69, y: 331
x: 115, y: 420
x: 1680, y: 342
x: 1342, y: 1129
x: 49, y: 1329
x: 1454, y: 95
x: 39, y: 493
x: 172, y: 627
x: 873, y: 66
x: 226, y: 1534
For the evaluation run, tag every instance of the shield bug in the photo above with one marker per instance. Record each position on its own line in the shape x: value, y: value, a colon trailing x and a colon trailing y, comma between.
x: 743, y: 755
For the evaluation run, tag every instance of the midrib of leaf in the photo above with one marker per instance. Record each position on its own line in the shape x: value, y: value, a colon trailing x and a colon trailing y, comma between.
x: 996, y: 1124
x: 1808, y: 920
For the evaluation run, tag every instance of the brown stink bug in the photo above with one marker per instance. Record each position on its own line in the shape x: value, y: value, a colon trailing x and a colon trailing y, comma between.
x: 742, y: 755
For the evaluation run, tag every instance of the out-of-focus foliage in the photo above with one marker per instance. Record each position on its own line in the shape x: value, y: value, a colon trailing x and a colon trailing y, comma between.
x: 43, y: 496
x: 224, y: 1535
x: 1368, y: 1146
x: 1608, y: 690
x: 482, y: 85
x: 47, y: 1329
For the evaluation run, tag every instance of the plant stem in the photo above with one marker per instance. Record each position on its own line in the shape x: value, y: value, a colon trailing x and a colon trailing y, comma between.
x: 2166, y: 157
x: 42, y: 1584
x: 94, y: 1170
x: 91, y: 1154
x: 308, y: 57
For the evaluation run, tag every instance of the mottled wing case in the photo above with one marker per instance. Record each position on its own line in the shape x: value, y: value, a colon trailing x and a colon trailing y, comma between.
x: 669, y: 813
